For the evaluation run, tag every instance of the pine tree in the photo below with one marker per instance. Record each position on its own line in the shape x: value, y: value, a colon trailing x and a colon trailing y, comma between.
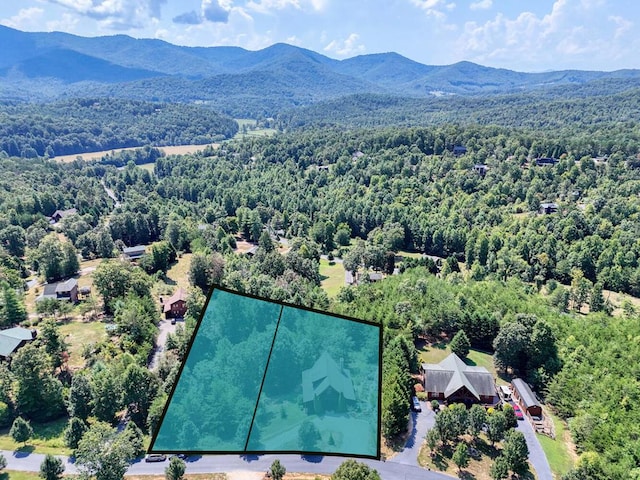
x: 51, y: 468
x: 21, y: 430
x: 460, y: 344
x: 14, y: 310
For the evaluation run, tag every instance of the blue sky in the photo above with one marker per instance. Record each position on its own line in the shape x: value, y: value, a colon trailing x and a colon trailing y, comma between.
x: 533, y: 35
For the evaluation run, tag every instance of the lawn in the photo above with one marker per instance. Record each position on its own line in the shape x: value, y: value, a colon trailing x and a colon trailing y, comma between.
x: 557, y: 451
x: 18, y: 475
x: 178, y: 274
x: 332, y: 277
x: 252, y: 131
x: 47, y: 438
x: 405, y: 254
x: 77, y: 334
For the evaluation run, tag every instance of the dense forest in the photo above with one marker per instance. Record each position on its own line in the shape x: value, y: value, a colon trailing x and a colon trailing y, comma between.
x: 92, y: 125
x: 510, y: 275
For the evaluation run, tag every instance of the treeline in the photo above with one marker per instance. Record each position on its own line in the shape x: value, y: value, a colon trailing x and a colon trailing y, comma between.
x: 597, y: 120
x: 88, y: 125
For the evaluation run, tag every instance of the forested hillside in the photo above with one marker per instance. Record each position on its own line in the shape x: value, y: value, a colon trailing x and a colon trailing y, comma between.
x: 91, y: 125
x: 510, y: 273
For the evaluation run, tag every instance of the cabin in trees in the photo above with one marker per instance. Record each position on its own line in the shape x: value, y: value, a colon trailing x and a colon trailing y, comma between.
x: 13, y: 339
x: 527, y: 400
x: 481, y: 169
x: 60, y: 214
x: 134, y: 253
x: 546, y: 161
x: 327, y: 386
x: 453, y: 381
x: 176, y: 305
x: 548, y: 208
x: 459, y: 150
x: 67, y: 290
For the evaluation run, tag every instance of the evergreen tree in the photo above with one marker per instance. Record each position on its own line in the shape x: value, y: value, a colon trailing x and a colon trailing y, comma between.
x: 461, y: 456
x: 74, y: 432
x: 70, y: 263
x: 80, y: 397
x: 277, y: 470
x: 460, y: 344
x: 21, y: 430
x: 51, y: 468
x: 175, y: 470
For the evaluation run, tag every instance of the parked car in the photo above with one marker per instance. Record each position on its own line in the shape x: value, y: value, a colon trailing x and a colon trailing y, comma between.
x: 518, y: 412
x: 181, y: 456
x: 416, y: 404
x: 155, y: 457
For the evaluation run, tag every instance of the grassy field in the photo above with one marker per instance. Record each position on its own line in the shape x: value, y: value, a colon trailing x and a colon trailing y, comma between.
x: 17, y: 475
x: 47, y: 438
x: 178, y: 274
x: 332, y: 277
x: 558, y: 452
x: 251, y: 130
x: 77, y: 334
x: 405, y: 254
x: 171, y: 150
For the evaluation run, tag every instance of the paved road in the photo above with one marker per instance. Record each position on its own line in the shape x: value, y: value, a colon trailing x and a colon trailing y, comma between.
x: 234, y: 463
x: 536, y: 455
x: 422, y: 422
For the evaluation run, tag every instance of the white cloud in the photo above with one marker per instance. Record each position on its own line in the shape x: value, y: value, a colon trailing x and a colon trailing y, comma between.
x: 116, y: 14
x: 623, y: 25
x: 271, y: 6
x: 26, y: 18
x: 481, y: 5
x: 542, y: 40
x: 434, y: 7
x: 346, y: 48
x: 67, y: 23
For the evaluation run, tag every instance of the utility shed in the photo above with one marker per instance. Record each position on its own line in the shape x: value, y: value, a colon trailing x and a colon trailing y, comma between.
x: 526, y: 398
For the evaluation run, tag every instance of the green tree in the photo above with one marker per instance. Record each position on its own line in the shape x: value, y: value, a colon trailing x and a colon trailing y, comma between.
x: 49, y: 257
x: 596, y: 298
x: 21, y: 430
x: 496, y: 427
x: 277, y: 470
x: 511, y: 345
x: 14, y: 310
x: 115, y: 279
x: 136, y: 438
x: 516, y: 452
x: 70, y: 263
x: 476, y: 419
x: 80, y: 402
x: 139, y: 387
x: 102, y: 453
x: 175, y: 470
x: 308, y: 435
x: 106, y: 388
x: 38, y: 394
x: 510, y: 416
x: 74, y: 432
x: 461, y: 456
x: 53, y: 342
x: 499, y: 469
x: 352, y: 470
x: 162, y: 254
x: 51, y: 468
x: 3, y: 462
x: 460, y: 344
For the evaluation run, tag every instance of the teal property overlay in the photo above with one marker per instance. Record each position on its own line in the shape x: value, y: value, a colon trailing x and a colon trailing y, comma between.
x: 265, y: 377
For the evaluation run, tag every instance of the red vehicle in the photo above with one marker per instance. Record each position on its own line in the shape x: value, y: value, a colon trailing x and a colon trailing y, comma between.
x: 518, y: 412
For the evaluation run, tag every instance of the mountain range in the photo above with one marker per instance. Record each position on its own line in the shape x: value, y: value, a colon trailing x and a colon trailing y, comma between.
x: 241, y: 82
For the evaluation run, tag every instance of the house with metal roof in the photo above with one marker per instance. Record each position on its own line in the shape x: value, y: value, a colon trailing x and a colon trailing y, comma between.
x: 454, y: 381
x: 12, y: 339
x: 525, y: 397
x: 327, y: 386
x: 134, y: 253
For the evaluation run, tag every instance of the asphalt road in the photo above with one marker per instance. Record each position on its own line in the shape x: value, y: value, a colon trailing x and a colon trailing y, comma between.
x: 536, y: 455
x: 229, y: 463
x: 422, y: 422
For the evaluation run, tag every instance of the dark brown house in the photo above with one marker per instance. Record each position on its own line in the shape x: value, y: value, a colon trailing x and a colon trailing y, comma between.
x: 454, y: 381
x: 176, y: 305
x: 523, y: 395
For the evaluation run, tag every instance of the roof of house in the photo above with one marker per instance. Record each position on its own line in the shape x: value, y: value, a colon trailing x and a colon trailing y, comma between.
x: 548, y: 205
x: 525, y: 393
x: 451, y: 374
x: 64, y: 213
x: 326, y: 373
x: 176, y: 297
x: 252, y: 251
x: 136, y: 249
x: 51, y: 290
x: 11, y: 338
